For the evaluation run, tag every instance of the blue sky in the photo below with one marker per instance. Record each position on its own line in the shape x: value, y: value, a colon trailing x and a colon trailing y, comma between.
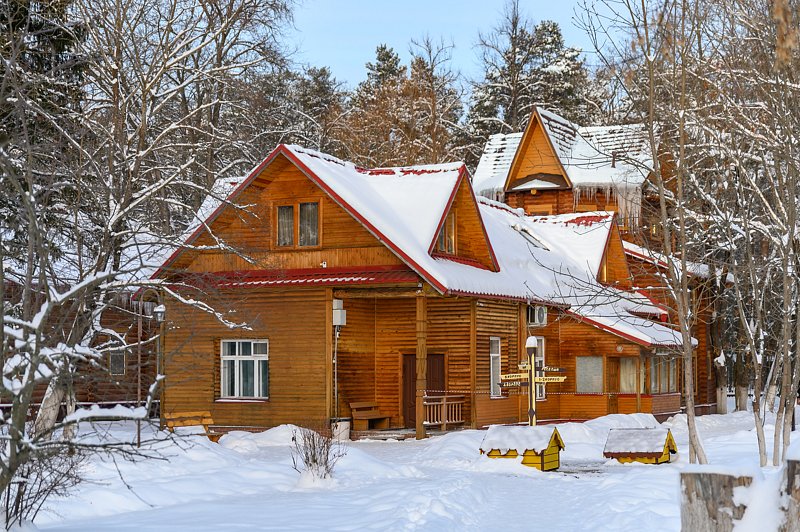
x: 343, y: 34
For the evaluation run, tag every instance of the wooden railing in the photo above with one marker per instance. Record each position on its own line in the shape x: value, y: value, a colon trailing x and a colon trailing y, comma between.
x: 443, y: 410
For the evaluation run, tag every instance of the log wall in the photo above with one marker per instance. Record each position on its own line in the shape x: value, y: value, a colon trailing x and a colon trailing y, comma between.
x: 295, y: 324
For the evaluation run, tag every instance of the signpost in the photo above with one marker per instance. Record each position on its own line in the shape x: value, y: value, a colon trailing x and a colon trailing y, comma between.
x: 532, y: 377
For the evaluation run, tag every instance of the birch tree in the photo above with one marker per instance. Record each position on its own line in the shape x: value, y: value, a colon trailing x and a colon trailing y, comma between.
x: 98, y: 161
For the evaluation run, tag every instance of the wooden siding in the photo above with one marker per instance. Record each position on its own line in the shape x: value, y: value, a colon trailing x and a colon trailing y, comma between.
x: 343, y: 240
x: 649, y: 277
x: 471, y: 240
x: 534, y: 156
x: 496, y: 319
x: 614, y: 268
x: 580, y: 339
x: 543, y: 202
x: 395, y: 335
x: 292, y: 321
x: 356, y: 354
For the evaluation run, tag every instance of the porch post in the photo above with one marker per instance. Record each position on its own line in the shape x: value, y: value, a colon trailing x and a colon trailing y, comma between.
x: 639, y: 367
x: 422, y: 361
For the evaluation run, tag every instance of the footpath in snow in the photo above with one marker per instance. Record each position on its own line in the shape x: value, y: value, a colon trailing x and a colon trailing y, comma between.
x: 246, y: 482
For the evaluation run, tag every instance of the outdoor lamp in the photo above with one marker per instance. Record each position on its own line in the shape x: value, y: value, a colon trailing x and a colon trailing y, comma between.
x: 159, y: 313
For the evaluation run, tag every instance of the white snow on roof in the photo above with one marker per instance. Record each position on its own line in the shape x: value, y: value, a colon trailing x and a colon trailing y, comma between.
x: 646, y: 440
x: 405, y: 204
x: 552, y: 260
x: 490, y: 175
x: 599, y: 156
x: 520, y: 439
x: 659, y: 259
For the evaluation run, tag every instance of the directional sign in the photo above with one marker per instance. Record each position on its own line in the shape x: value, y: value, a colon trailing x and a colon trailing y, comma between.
x: 550, y: 368
x: 514, y: 377
x: 524, y: 366
x: 514, y: 384
x: 560, y: 378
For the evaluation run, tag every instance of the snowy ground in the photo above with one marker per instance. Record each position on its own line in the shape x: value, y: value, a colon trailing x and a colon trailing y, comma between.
x: 442, y: 483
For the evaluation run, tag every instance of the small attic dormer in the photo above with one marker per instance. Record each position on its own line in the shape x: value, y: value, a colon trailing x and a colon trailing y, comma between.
x: 461, y: 235
x: 536, y: 164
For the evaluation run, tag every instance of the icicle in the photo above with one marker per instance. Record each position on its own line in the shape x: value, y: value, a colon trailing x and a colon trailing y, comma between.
x: 628, y: 199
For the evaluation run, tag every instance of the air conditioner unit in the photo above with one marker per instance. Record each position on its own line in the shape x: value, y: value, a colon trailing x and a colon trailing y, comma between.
x: 537, y: 316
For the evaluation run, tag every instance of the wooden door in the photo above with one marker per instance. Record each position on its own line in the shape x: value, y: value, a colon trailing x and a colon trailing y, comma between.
x: 436, y: 384
x: 612, y: 384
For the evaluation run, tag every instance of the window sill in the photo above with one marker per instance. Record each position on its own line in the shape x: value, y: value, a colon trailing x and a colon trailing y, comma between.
x: 242, y: 400
x: 495, y: 397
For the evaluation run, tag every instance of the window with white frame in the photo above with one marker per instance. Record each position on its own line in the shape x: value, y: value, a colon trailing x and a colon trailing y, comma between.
x: 494, y: 366
x: 245, y: 368
x: 538, y: 363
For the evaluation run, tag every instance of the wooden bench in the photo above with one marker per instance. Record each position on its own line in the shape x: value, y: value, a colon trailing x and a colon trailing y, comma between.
x: 366, y: 416
x: 190, y: 419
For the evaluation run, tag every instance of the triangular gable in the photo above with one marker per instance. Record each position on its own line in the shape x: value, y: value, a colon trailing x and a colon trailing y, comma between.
x: 614, y: 266
x: 304, y: 160
x: 536, y: 154
x: 221, y: 208
x: 472, y: 241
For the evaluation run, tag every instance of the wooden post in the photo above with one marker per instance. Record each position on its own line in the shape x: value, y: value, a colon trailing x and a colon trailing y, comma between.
x: 707, y: 501
x: 639, y: 382
x: 790, y: 492
x: 422, y: 361
x: 329, y: 401
x: 473, y: 362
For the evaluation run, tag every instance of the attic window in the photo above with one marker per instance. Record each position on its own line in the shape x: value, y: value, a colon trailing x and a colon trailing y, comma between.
x: 298, y: 223
x: 446, y: 243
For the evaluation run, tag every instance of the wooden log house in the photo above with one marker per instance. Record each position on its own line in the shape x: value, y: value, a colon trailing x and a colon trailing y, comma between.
x: 111, y: 378
x: 558, y: 167
x: 441, y: 291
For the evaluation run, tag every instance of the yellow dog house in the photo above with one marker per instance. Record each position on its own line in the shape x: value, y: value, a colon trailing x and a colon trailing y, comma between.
x: 539, y: 446
x: 648, y: 446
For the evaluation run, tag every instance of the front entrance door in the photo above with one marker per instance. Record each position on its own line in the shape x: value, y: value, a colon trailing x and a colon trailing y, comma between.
x: 436, y: 384
x: 612, y: 384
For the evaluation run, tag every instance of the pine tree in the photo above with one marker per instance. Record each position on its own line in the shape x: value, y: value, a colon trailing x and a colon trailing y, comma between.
x: 524, y: 66
x: 378, y: 120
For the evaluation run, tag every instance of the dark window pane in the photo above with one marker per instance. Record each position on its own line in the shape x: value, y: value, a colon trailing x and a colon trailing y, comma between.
x: 309, y: 224
x: 228, y: 378
x: 247, y: 378
x: 286, y: 225
x: 263, y: 370
x: 228, y: 349
x: 245, y: 349
x: 116, y: 363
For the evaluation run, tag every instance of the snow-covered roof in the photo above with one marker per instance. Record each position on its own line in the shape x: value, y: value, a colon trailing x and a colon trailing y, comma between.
x: 696, y: 269
x: 552, y: 260
x: 503, y: 438
x: 498, y: 154
x: 640, y: 441
x: 616, y: 156
x: 599, y: 156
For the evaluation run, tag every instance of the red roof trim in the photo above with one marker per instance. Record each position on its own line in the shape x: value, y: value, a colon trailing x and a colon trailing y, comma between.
x: 461, y: 260
x: 307, y: 276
